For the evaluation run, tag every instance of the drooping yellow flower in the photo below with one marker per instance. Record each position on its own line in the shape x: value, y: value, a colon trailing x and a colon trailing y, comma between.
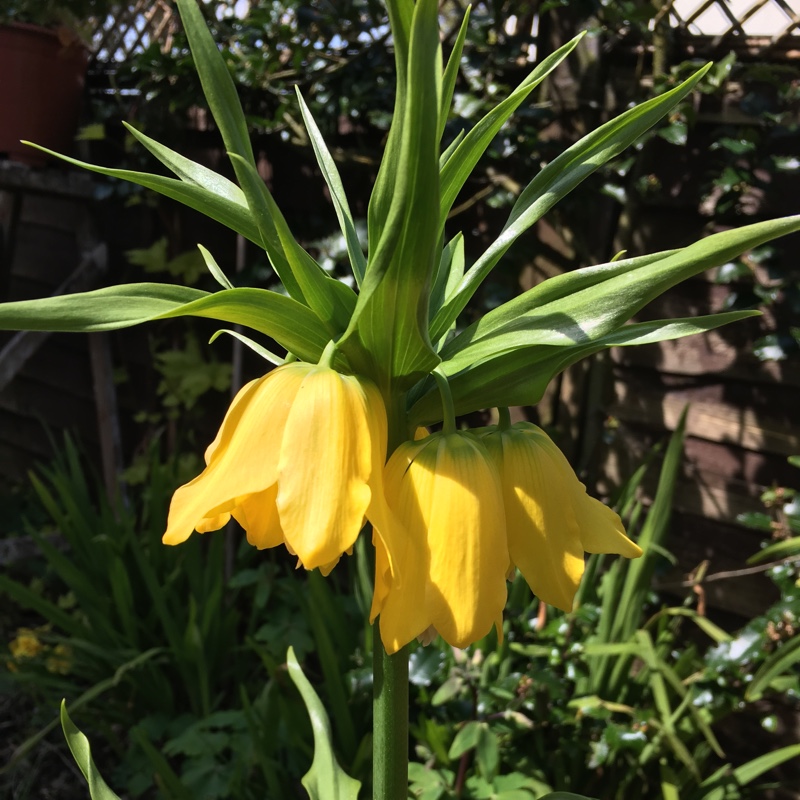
x: 551, y: 520
x: 297, y: 461
x: 451, y: 555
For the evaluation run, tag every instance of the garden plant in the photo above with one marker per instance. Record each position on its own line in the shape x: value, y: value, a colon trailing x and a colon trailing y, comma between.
x: 331, y: 452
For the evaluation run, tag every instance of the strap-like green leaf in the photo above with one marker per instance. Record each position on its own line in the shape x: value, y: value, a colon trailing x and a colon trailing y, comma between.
x: 291, y: 324
x: 779, y: 662
x: 592, y: 308
x: 556, y: 180
x: 451, y: 72
x: 219, y: 276
x: 448, y: 273
x: 220, y: 207
x: 521, y: 375
x: 334, y: 181
x: 326, y: 780
x: 460, y: 165
x: 303, y: 278
x: 388, y: 338
x: 190, y: 171
x: 714, y: 787
x: 82, y: 753
x: 218, y: 86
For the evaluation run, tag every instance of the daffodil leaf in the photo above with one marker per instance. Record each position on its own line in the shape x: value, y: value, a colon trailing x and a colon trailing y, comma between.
x: 82, y: 753
x: 556, y: 180
x: 326, y: 780
x: 460, y: 165
x: 388, y: 338
x: 290, y: 323
x: 219, y: 276
x: 520, y: 376
x: 331, y: 174
x: 218, y: 86
x: 220, y: 207
x: 580, y: 307
x: 303, y: 278
x: 451, y: 73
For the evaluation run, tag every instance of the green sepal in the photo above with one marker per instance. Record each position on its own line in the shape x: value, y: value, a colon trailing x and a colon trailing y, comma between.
x: 520, y: 376
x: 290, y: 323
x: 387, y: 339
x: 326, y: 780
x: 82, y: 753
x: 556, y: 180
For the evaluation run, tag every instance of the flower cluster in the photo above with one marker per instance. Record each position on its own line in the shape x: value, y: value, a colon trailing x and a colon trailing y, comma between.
x: 300, y: 461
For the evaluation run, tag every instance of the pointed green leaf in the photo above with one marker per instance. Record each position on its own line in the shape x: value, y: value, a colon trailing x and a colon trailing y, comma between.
x: 291, y: 324
x: 460, y: 165
x: 716, y: 786
x: 588, y: 309
x: 779, y: 662
x: 220, y: 207
x: 388, y: 335
x: 331, y: 174
x: 267, y: 355
x: 303, y: 278
x: 219, y: 276
x: 82, y: 753
x: 556, y: 180
x: 383, y: 193
x: 451, y: 72
x: 448, y: 273
x: 519, y: 376
x: 326, y: 780
x: 190, y: 171
x: 218, y: 86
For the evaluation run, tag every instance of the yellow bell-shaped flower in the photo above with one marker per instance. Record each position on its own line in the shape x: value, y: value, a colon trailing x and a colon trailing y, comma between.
x: 298, y: 461
x: 451, y: 557
x: 551, y: 520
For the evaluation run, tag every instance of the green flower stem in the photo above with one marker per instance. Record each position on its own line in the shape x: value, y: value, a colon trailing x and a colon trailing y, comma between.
x: 448, y: 410
x: 390, y: 675
x: 504, y: 418
x: 390, y: 723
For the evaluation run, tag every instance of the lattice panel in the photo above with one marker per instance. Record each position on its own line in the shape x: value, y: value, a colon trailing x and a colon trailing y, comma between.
x: 774, y: 19
x: 131, y: 28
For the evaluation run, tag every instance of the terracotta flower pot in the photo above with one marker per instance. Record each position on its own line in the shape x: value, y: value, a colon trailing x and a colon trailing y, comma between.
x: 41, y: 86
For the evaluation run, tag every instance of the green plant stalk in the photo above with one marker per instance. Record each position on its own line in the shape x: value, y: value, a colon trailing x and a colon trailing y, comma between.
x: 390, y: 723
x: 390, y: 674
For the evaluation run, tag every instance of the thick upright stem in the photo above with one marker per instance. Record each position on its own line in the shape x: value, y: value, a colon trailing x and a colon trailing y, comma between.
x: 390, y: 678
x: 390, y: 723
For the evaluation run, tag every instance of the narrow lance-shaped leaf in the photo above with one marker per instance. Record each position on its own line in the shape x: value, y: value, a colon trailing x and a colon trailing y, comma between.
x: 401, y: 13
x: 291, y: 324
x: 556, y: 180
x: 449, y: 272
x: 520, y: 376
x: 388, y: 335
x: 334, y: 181
x: 218, y: 86
x: 460, y: 165
x: 595, y: 309
x: 82, y: 753
x: 451, y: 72
x: 326, y: 780
x: 190, y: 171
x: 220, y: 207
x: 303, y: 278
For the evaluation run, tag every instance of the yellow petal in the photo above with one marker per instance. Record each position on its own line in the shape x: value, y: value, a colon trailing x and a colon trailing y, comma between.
x: 447, y: 495
x: 243, y: 458
x: 258, y: 515
x: 324, y: 467
x: 213, y: 523
x: 543, y: 535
